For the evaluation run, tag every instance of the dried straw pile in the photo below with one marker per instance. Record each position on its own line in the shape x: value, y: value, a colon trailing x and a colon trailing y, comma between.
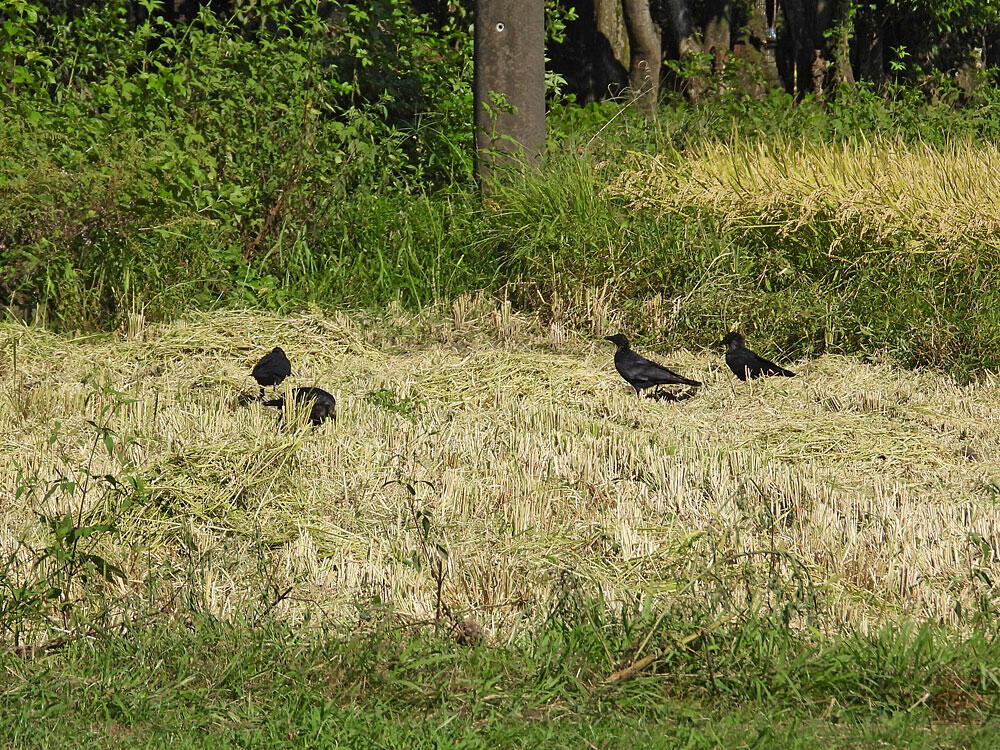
x: 530, y: 462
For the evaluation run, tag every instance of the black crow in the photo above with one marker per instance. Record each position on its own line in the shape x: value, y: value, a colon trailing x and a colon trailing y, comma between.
x: 744, y: 363
x: 323, y: 404
x: 271, y: 369
x: 639, y: 371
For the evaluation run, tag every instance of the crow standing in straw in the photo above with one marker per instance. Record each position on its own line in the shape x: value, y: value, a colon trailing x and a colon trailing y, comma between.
x: 640, y: 372
x: 746, y: 364
x: 323, y: 404
x: 271, y: 369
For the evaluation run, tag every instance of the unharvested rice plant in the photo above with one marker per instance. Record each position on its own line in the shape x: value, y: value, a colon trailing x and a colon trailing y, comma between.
x: 944, y: 201
x: 481, y: 463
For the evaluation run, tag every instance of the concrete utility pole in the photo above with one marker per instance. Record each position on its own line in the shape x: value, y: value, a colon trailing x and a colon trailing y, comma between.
x: 509, y: 86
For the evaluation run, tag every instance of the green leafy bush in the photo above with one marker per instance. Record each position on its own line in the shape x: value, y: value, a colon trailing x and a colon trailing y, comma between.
x: 291, y: 154
x: 166, y: 163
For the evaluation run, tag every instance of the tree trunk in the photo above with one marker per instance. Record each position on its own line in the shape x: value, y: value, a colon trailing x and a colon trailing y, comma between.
x: 820, y: 31
x: 586, y: 58
x: 509, y: 82
x: 841, y: 50
x: 803, y: 45
x: 718, y: 33
x: 681, y: 28
x: 869, y: 52
x: 761, y: 30
x: 645, y: 57
x: 684, y: 41
x: 718, y: 37
x: 819, y: 74
x: 610, y: 20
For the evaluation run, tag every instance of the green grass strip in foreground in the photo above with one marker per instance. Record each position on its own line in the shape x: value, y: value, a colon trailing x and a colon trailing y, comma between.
x: 212, y: 685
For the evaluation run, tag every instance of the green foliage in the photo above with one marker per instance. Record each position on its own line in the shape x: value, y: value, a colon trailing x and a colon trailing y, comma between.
x: 958, y: 17
x: 936, y: 35
x: 77, y: 509
x: 291, y: 155
x: 405, y: 406
x: 204, y: 154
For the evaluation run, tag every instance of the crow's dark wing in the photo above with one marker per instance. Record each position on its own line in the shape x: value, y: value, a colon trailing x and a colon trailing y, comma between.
x: 745, y: 363
x: 644, y: 373
x: 741, y: 364
x: 769, y: 368
x: 313, y: 394
x: 303, y: 394
x: 323, y: 404
x: 271, y: 369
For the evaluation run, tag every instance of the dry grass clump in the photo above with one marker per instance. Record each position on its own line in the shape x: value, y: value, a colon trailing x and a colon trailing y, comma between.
x: 514, y: 465
x: 942, y: 200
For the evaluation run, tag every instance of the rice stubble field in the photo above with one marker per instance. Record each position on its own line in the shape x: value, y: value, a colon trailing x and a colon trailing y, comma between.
x: 483, y: 461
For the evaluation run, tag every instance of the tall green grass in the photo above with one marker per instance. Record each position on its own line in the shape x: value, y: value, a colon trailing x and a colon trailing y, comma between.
x: 699, y: 222
x: 215, y: 684
x: 803, y: 244
x: 581, y: 237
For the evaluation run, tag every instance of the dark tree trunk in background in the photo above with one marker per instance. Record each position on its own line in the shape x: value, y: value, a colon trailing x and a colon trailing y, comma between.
x: 819, y: 32
x: 819, y: 16
x: 718, y: 26
x: 718, y: 33
x: 587, y: 57
x: 718, y: 38
x: 991, y: 51
x: 971, y: 74
x: 802, y: 45
x: 681, y: 28
x: 645, y: 55
x: 610, y: 20
x: 509, y: 82
x: 684, y: 40
x: 869, y: 51
x: 760, y: 25
x: 840, y: 44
